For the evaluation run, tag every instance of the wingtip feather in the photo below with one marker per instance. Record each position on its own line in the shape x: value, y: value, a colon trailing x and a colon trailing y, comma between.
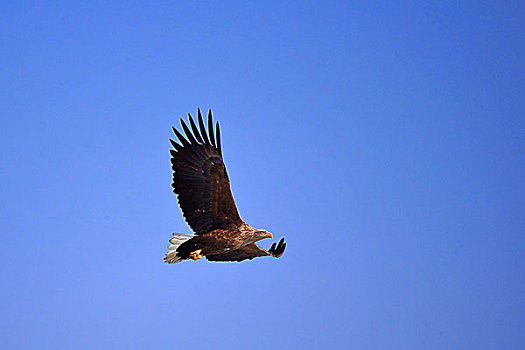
x: 195, y: 130
x: 204, y: 134
x: 210, y: 128
x: 218, y: 136
x: 187, y: 131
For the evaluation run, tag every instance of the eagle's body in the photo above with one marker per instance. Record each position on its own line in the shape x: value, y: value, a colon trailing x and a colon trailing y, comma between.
x: 203, y: 189
x: 214, y: 242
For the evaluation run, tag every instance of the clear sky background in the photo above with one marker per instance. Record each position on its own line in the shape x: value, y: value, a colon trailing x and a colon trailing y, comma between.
x: 384, y: 140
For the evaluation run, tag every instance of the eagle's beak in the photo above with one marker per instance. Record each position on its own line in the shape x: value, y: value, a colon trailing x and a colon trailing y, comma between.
x: 267, y: 235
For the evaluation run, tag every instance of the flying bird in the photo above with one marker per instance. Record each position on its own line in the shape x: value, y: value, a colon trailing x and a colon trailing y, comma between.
x: 202, y: 186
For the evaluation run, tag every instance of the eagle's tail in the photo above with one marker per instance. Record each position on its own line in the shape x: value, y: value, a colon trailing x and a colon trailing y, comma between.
x: 177, y: 239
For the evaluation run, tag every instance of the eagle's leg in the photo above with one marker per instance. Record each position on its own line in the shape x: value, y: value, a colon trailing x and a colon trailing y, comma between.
x: 196, y: 255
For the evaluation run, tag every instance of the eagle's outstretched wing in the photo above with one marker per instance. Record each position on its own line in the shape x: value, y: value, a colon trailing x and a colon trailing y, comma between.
x: 200, y: 179
x: 249, y: 252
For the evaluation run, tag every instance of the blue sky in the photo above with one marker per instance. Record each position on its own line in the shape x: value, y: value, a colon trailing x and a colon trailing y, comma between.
x: 384, y: 140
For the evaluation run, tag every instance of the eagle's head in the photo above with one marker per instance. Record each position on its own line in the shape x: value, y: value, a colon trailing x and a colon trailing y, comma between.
x: 262, y: 234
x: 253, y: 235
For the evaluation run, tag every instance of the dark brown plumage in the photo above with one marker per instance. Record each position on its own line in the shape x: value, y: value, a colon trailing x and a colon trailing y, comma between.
x: 203, y: 190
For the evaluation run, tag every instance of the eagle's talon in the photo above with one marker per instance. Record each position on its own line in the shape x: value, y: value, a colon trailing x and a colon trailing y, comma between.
x: 196, y: 255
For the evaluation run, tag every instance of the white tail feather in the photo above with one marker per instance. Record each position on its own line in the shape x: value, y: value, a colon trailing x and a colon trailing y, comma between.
x: 177, y: 239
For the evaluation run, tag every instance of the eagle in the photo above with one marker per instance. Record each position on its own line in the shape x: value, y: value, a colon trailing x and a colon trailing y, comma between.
x: 202, y: 186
